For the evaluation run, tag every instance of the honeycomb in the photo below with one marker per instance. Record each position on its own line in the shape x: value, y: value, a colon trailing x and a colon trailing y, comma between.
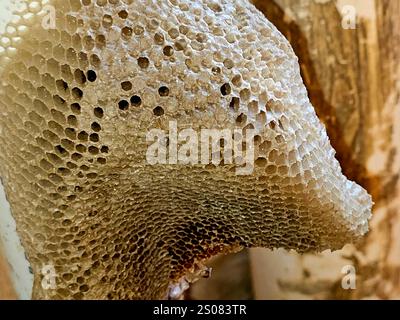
x: 76, y: 102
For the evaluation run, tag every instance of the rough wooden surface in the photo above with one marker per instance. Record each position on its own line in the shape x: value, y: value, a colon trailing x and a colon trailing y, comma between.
x: 6, y: 289
x: 353, y: 79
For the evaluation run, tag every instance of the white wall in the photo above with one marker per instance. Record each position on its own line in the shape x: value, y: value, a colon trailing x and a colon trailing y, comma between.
x: 13, y: 250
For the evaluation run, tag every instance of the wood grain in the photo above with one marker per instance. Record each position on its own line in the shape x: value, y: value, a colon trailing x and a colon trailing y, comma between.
x: 6, y: 289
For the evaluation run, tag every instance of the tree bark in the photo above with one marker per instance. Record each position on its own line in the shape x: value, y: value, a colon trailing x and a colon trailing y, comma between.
x: 353, y: 80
